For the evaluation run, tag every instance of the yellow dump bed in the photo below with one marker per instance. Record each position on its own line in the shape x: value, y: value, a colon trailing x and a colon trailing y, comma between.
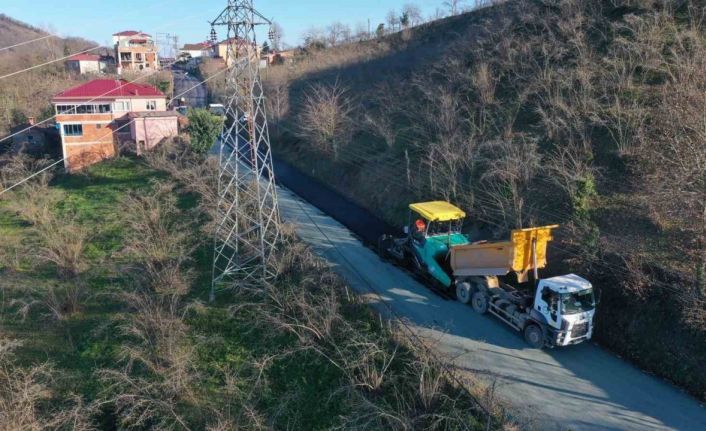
x: 501, y: 258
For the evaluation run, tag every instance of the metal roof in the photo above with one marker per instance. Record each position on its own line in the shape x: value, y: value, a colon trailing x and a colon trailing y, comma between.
x: 438, y: 211
x: 109, y: 89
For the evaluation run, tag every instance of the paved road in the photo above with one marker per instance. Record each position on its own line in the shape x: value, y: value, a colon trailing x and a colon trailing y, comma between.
x: 196, y: 97
x: 580, y: 388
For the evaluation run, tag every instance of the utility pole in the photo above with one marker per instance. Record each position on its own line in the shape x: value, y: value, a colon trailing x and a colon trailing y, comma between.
x: 248, y: 214
x: 170, y: 43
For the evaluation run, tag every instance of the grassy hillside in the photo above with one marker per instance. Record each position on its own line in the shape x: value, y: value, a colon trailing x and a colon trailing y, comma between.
x: 585, y: 113
x: 104, y: 325
x: 29, y: 93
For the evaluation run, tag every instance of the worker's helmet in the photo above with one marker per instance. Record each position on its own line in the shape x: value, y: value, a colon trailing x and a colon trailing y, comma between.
x: 420, y: 225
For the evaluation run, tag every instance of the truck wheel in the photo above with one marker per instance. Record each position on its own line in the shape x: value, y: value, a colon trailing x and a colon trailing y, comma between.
x: 479, y: 301
x: 534, y: 336
x: 463, y: 292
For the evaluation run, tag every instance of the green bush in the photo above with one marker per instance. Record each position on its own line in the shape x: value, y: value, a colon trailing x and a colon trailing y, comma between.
x: 204, y: 128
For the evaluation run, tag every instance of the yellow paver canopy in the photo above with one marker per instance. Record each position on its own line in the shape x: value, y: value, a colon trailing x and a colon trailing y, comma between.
x: 438, y: 211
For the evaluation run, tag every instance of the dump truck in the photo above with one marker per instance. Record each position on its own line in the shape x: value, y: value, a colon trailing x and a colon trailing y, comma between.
x: 556, y: 311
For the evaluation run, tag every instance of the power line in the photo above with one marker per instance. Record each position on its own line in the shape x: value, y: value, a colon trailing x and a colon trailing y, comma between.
x: 27, y: 42
x: 49, y: 62
x: 80, y: 104
x: 107, y: 134
x: 31, y: 176
x: 87, y: 50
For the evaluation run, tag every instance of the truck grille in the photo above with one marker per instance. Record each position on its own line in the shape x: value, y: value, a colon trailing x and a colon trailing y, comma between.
x: 579, y: 330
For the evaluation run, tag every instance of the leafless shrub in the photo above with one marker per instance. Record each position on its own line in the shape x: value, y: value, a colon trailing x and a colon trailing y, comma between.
x: 159, y: 238
x: 12, y: 252
x: 24, y: 393
x: 386, y: 388
x: 675, y: 154
x: 327, y: 117
x: 18, y: 167
x: 159, y: 374
x: 485, y: 83
x: 277, y: 91
x: 35, y: 205
x: 569, y: 166
x: 510, y: 166
x: 63, y: 243
x: 193, y: 173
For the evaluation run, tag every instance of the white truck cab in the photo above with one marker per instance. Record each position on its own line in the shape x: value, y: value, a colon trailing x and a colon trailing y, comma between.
x: 567, y: 305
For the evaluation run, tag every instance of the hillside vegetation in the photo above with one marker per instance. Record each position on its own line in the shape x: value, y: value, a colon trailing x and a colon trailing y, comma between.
x: 28, y: 94
x: 582, y: 112
x: 103, y: 323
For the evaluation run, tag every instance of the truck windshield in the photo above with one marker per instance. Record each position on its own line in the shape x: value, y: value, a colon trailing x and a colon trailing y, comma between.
x: 578, y: 302
x: 444, y: 228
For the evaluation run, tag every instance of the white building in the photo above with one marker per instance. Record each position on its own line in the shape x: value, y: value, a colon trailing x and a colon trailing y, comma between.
x: 88, y: 63
x: 197, y: 50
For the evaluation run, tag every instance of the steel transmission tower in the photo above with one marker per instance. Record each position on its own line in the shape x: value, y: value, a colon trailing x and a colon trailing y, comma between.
x: 248, y: 214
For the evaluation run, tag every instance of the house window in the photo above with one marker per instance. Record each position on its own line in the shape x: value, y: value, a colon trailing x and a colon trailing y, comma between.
x: 73, y: 130
x: 122, y: 106
x: 66, y: 109
x: 104, y: 109
x: 151, y: 105
x: 85, y: 109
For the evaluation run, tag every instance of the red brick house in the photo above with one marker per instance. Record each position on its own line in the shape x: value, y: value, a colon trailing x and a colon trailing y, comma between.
x: 95, y: 117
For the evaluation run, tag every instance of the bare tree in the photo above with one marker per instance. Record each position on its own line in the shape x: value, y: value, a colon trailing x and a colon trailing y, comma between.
x: 338, y: 33
x: 392, y: 20
x: 454, y: 6
x: 413, y: 13
x: 314, y: 38
x: 277, y: 91
x: 327, y: 117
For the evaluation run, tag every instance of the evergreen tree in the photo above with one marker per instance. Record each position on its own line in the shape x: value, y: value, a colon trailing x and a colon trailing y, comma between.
x: 380, y: 31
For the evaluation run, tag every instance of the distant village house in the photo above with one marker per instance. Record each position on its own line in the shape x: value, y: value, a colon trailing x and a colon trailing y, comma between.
x: 89, y: 63
x: 241, y: 47
x: 135, y: 51
x: 198, y: 50
x: 97, y: 117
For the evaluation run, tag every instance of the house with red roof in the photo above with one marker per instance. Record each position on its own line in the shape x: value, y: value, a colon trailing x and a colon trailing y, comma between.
x: 89, y: 63
x: 103, y: 116
x: 136, y: 51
